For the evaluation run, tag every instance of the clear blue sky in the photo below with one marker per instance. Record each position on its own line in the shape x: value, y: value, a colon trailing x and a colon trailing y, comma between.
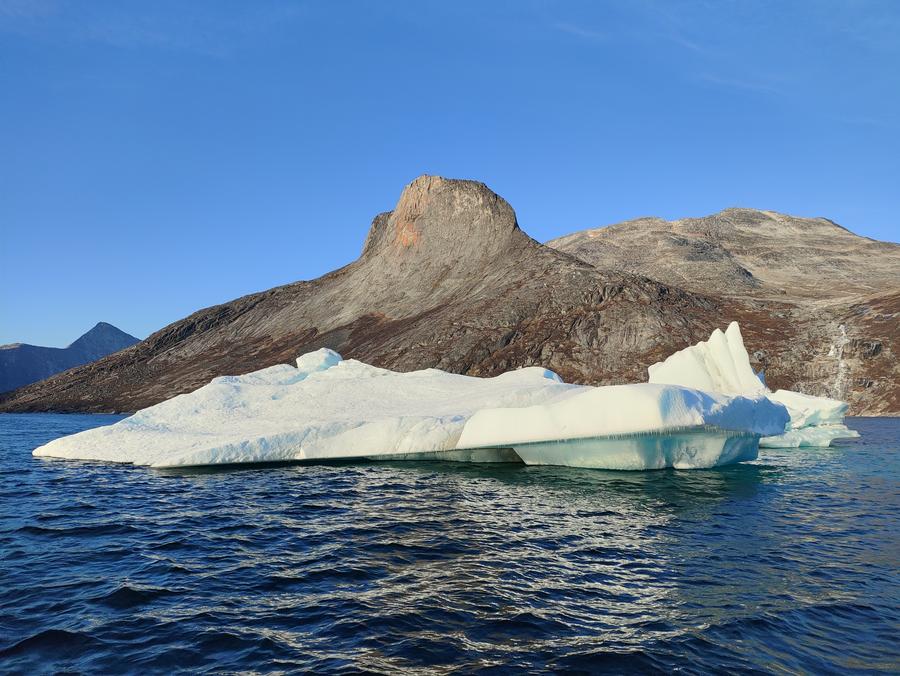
x: 160, y: 157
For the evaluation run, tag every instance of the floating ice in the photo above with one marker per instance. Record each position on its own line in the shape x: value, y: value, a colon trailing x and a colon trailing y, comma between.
x: 815, y: 421
x: 721, y: 364
x: 329, y: 408
x: 640, y: 426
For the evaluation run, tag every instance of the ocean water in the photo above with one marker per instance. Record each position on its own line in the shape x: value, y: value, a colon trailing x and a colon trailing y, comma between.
x: 790, y: 564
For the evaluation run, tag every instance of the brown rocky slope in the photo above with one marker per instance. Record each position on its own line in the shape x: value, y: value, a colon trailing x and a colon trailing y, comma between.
x: 448, y: 280
x: 826, y: 301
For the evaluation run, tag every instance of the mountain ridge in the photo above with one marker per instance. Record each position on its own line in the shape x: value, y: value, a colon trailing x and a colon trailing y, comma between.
x: 834, y: 295
x: 448, y: 279
x: 22, y: 363
x: 758, y: 241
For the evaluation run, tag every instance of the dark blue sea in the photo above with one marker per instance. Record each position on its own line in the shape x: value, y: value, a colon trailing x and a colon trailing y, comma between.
x: 787, y: 565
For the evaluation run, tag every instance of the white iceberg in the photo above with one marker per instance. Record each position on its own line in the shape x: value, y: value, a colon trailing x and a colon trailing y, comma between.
x: 722, y: 365
x: 815, y: 421
x: 640, y: 426
x: 328, y: 408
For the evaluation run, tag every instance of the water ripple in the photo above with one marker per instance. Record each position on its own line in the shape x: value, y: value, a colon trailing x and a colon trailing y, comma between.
x: 787, y: 565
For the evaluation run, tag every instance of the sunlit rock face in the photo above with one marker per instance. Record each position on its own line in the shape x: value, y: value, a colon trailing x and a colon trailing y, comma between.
x: 721, y: 364
x: 327, y: 408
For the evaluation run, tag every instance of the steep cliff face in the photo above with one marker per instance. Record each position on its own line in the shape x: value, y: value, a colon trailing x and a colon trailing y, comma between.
x: 820, y: 306
x: 447, y: 279
x: 21, y: 364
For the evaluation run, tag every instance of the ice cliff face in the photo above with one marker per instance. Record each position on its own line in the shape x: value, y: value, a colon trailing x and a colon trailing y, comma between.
x: 720, y: 364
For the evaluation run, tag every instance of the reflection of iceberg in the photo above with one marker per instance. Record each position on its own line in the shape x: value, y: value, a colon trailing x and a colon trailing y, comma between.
x: 721, y: 364
x: 328, y: 408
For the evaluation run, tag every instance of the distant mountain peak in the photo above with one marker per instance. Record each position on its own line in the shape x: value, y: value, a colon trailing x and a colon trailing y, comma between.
x: 101, y: 336
x: 22, y: 364
x: 101, y: 329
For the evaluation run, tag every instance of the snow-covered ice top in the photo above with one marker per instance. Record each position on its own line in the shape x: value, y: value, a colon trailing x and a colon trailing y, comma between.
x: 722, y: 364
x: 329, y: 408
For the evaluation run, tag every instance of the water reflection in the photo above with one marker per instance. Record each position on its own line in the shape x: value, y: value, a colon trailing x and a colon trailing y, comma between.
x: 457, y: 537
x: 711, y: 484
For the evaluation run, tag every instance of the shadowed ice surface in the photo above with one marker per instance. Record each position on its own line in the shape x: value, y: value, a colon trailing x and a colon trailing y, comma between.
x: 785, y: 564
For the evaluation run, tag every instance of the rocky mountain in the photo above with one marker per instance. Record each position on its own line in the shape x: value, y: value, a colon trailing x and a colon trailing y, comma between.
x: 448, y: 280
x: 21, y: 364
x: 739, y: 252
x: 827, y: 300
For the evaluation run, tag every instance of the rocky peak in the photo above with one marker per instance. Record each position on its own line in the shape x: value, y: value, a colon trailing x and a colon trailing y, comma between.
x: 21, y: 363
x: 737, y: 251
x: 738, y: 222
x: 102, y: 339
x: 440, y: 218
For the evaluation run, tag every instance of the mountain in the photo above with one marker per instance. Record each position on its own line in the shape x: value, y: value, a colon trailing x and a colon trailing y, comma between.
x: 449, y: 280
x: 739, y: 252
x: 827, y: 300
x: 21, y: 364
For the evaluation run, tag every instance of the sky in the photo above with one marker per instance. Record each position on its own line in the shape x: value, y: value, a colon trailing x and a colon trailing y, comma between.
x: 161, y: 157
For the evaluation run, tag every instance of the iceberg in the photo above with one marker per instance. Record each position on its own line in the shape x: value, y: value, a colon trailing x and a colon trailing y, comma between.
x: 328, y: 408
x: 721, y: 364
x: 815, y: 421
x: 641, y: 426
